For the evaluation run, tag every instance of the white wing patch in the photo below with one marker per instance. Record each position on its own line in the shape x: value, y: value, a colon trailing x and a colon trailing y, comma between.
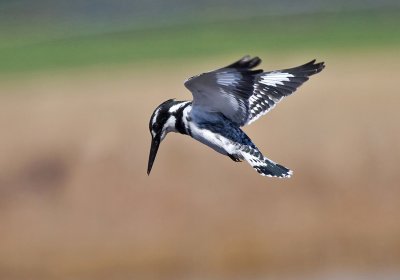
x: 275, y: 78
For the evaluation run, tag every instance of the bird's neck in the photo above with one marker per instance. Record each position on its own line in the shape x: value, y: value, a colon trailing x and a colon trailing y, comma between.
x: 179, y: 118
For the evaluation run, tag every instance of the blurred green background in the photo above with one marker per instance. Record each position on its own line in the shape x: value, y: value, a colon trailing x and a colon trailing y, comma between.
x: 78, y: 83
x: 45, y: 35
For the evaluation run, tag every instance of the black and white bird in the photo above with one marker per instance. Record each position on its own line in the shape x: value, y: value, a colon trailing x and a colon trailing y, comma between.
x: 225, y: 100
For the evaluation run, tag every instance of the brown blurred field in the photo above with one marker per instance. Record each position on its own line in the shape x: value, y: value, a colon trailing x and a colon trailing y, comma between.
x: 76, y: 203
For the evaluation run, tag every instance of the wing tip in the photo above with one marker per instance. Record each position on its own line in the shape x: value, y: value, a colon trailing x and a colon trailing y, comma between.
x: 314, y: 67
x: 308, y: 69
x: 319, y: 66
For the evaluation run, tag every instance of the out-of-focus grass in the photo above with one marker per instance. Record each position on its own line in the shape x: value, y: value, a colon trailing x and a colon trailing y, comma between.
x: 44, y: 49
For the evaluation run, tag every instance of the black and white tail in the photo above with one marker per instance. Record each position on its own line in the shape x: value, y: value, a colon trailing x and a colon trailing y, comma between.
x: 263, y: 165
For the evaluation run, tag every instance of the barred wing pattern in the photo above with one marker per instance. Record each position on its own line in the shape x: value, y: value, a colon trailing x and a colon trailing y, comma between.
x: 242, y: 94
x: 270, y: 87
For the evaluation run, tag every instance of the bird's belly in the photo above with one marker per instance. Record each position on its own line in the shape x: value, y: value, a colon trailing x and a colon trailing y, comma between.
x: 215, y: 141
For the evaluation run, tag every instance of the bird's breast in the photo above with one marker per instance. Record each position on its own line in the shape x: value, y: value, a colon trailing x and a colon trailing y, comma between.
x: 212, y: 139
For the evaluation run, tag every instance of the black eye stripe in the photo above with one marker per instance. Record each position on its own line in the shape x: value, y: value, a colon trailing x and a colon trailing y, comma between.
x: 159, y: 118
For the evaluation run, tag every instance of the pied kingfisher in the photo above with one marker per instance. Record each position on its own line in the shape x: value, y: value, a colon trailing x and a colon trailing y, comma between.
x: 224, y: 100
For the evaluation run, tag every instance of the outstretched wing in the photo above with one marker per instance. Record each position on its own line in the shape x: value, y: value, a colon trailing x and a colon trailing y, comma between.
x: 242, y: 94
x: 226, y: 90
x: 271, y: 87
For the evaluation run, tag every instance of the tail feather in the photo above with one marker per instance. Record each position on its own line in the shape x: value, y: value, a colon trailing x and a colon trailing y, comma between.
x: 263, y: 165
x: 273, y: 170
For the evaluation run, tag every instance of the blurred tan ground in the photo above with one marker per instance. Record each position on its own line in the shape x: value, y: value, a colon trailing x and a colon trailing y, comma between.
x: 76, y: 203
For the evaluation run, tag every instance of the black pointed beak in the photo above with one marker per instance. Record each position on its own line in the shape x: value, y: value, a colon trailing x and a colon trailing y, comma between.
x: 155, y: 143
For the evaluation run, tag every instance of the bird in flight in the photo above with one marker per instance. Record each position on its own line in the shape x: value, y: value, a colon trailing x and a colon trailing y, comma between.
x: 225, y: 100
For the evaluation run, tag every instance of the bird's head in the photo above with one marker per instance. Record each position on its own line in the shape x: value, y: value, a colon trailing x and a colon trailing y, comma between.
x: 162, y: 121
